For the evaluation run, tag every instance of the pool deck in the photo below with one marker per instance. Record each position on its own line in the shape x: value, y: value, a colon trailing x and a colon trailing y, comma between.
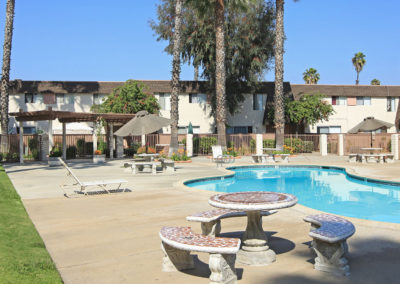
x: 114, y: 238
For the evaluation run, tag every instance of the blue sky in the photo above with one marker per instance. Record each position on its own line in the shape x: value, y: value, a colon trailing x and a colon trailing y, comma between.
x: 112, y: 41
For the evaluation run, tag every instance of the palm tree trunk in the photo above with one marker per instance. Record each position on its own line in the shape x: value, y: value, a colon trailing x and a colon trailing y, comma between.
x: 358, y: 73
x: 196, y: 72
x: 279, y: 119
x: 176, y: 70
x: 220, y: 72
x: 5, y: 77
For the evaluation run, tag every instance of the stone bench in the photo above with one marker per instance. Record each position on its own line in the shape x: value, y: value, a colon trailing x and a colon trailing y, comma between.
x: 168, y: 165
x: 371, y: 158
x: 211, y: 220
x: 284, y: 158
x: 353, y: 158
x: 388, y: 158
x: 263, y: 158
x: 178, y: 242
x: 329, y: 235
x: 139, y: 166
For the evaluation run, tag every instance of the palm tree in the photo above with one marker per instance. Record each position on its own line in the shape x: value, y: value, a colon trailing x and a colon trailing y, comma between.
x: 279, y: 116
x: 176, y: 70
x: 311, y: 76
x: 375, y: 82
x: 5, y: 76
x: 358, y: 62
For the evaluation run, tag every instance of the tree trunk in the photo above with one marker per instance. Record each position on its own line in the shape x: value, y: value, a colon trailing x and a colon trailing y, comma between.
x: 5, y: 77
x: 176, y: 70
x: 220, y: 72
x: 279, y: 119
x: 196, y: 72
x: 358, y: 73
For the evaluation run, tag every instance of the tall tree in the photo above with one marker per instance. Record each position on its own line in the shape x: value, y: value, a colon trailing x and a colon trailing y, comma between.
x: 358, y: 63
x: 5, y: 76
x: 176, y: 70
x: 311, y: 76
x: 375, y: 82
x: 279, y: 100
x: 248, y: 43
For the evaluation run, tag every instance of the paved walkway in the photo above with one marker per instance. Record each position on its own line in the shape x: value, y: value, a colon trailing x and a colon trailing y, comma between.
x: 114, y: 238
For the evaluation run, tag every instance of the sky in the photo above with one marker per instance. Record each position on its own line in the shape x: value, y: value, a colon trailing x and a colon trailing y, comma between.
x: 99, y: 40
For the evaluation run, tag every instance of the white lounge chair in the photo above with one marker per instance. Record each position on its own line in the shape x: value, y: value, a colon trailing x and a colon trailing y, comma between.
x: 218, y: 156
x: 102, y: 184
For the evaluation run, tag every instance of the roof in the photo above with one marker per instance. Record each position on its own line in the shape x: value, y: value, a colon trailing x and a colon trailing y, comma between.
x: 68, y: 116
x: 347, y: 90
x: 164, y: 86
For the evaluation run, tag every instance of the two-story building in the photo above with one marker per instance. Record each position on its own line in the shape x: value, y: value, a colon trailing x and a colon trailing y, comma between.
x: 351, y: 104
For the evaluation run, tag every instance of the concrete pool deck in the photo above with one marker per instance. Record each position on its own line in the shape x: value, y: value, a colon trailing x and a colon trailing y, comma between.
x: 114, y: 238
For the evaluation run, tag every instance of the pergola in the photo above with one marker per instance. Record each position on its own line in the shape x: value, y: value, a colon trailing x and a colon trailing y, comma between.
x: 67, y: 117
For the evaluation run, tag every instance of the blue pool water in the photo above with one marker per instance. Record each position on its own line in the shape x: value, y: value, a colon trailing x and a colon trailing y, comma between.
x: 326, y: 189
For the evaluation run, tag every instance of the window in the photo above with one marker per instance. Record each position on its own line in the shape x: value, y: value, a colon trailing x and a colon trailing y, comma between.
x: 164, y: 101
x: 197, y: 98
x: 28, y: 130
x: 339, y: 101
x: 184, y: 129
x: 363, y: 101
x: 28, y: 98
x: 69, y: 99
x: 257, y: 102
x: 49, y: 99
x: 329, y: 129
x: 98, y: 98
x: 239, y: 130
x: 59, y: 98
x: 390, y: 106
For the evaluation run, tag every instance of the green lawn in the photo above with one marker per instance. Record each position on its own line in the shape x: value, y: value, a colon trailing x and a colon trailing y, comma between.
x: 23, y: 256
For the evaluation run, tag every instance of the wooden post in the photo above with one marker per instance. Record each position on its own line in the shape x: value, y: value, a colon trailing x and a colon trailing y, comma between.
x: 94, y: 137
x: 21, y: 142
x: 64, y: 141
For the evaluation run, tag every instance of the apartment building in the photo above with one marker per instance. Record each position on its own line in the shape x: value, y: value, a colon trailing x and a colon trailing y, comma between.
x: 351, y: 104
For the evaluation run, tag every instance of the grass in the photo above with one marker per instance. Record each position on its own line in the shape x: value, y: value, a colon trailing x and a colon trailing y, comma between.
x: 23, y: 255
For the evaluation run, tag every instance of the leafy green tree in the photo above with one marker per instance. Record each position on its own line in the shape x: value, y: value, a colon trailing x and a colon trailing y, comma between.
x: 128, y: 98
x: 311, y: 76
x: 5, y: 71
x: 375, y: 82
x: 248, y: 45
x: 308, y: 109
x: 358, y: 63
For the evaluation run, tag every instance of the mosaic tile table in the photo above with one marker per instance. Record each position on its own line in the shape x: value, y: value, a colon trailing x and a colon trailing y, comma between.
x: 255, y: 249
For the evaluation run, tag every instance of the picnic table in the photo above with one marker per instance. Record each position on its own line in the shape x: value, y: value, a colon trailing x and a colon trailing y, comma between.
x: 371, y: 150
x: 148, y: 157
x: 255, y: 249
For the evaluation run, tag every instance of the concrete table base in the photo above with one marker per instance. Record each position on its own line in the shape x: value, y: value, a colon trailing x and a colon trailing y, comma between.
x: 255, y: 250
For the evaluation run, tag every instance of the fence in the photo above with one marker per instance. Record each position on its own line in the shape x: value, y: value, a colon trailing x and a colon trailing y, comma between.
x: 354, y: 142
x: 31, y: 147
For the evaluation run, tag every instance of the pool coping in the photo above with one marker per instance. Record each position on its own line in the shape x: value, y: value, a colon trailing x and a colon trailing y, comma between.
x: 301, y: 208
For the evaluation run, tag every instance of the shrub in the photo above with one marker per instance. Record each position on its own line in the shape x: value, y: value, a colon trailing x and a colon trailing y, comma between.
x: 56, y: 151
x: 269, y: 143
x: 308, y: 146
x: 89, y: 148
x: 97, y: 152
x: 132, y: 149
x: 102, y: 146
x: 81, y: 147
x: 33, y: 145
x: 71, y: 152
x: 296, y: 143
x: 205, y: 144
x: 1, y: 157
x: 253, y: 145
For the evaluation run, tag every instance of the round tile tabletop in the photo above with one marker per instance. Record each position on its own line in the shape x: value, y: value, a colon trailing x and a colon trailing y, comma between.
x: 253, y: 200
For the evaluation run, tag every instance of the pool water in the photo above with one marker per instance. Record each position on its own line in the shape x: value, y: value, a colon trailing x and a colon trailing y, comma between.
x: 326, y: 189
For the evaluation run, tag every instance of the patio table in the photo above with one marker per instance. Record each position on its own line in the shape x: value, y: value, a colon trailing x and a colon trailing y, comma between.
x: 149, y: 157
x: 371, y: 150
x: 255, y: 249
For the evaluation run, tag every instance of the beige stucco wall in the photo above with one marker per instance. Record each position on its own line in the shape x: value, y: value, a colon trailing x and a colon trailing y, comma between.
x: 349, y: 116
x: 82, y: 103
x: 246, y: 116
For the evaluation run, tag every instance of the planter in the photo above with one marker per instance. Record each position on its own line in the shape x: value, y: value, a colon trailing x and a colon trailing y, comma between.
x: 237, y: 157
x: 183, y: 162
x: 54, y: 162
x: 99, y: 159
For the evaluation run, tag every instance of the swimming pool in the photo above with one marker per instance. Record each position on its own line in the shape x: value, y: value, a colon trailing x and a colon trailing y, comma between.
x: 327, y: 189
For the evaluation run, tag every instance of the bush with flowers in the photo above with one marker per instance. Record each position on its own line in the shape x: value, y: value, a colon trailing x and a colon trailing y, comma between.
x: 180, y: 156
x: 98, y: 152
x: 231, y: 152
x: 146, y: 150
x: 286, y: 150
